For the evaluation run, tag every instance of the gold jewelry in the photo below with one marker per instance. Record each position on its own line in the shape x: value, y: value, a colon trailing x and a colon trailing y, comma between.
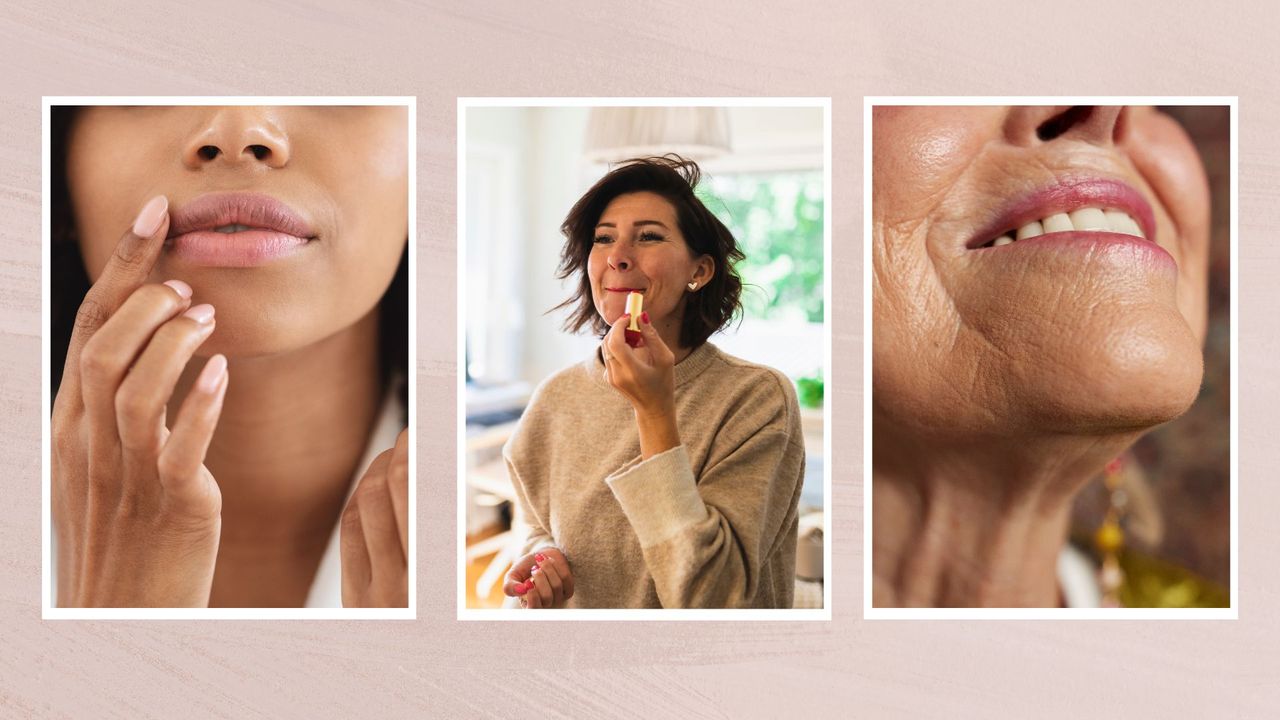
x: 1109, y: 540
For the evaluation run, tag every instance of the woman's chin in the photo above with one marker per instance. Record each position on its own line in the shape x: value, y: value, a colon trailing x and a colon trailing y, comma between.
x: 1135, y: 376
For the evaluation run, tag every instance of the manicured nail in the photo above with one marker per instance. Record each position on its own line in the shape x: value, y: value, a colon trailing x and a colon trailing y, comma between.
x: 179, y: 287
x: 150, y: 217
x: 212, y: 373
x: 521, y: 589
x: 644, y: 317
x: 202, y: 313
x: 539, y: 557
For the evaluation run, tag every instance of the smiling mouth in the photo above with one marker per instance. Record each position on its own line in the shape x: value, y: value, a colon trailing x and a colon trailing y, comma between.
x: 1086, y: 219
x: 625, y: 290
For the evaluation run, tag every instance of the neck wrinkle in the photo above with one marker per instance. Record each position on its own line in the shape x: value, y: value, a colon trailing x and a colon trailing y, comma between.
x: 976, y: 521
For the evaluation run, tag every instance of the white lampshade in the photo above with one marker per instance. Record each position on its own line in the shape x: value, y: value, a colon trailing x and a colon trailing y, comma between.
x: 621, y: 133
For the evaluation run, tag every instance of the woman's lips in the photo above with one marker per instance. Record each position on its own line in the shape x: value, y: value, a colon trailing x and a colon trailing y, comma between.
x: 236, y: 230
x: 1097, y: 209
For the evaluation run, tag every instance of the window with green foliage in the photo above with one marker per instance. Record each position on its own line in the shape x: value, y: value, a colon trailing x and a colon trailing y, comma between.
x: 777, y: 220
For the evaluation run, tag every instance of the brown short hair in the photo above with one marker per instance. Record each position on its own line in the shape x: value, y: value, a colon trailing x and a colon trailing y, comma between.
x: 675, y: 179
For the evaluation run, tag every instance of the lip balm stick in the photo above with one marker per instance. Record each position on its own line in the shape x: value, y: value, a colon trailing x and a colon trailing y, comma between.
x: 635, y: 305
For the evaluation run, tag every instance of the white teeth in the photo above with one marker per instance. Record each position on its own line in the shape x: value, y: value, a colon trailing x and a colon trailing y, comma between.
x: 1081, y: 219
x: 1089, y: 219
x: 1121, y: 222
x: 1058, y: 223
x: 232, y: 228
x: 1031, y: 229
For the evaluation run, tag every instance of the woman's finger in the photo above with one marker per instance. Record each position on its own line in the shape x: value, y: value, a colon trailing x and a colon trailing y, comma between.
x: 562, y: 569
x: 517, y: 575
x: 377, y: 520
x: 398, y: 484
x: 531, y: 600
x: 542, y: 589
x: 116, y: 345
x: 357, y: 572
x: 547, y: 571
x: 141, y: 400
x: 183, y: 453
x: 130, y: 266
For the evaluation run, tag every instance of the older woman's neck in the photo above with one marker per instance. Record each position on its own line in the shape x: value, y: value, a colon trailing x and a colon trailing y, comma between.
x: 293, y: 428
x: 976, y: 522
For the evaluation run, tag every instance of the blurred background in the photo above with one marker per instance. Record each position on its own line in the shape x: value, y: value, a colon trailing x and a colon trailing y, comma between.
x: 763, y: 170
x: 1178, y: 478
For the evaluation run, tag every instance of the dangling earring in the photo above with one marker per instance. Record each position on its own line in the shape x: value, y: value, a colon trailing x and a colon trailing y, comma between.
x: 1110, y: 536
x: 693, y: 285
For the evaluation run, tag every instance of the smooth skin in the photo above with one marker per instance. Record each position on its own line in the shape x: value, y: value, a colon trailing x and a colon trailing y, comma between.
x: 1003, y: 382
x: 638, y: 245
x: 300, y: 337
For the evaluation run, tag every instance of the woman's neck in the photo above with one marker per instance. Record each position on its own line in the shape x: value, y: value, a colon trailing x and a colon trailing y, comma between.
x: 976, y: 522
x: 294, y: 427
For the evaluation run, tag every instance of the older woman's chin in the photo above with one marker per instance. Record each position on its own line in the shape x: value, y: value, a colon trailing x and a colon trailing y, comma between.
x: 1144, y: 377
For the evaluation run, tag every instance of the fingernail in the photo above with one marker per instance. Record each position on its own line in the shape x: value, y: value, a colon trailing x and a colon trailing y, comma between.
x: 644, y: 317
x: 150, y: 217
x: 539, y: 557
x: 212, y: 373
x: 202, y: 313
x: 179, y: 287
x: 521, y: 589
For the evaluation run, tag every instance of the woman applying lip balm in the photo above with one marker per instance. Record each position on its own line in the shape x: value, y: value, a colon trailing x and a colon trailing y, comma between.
x: 230, y: 293
x: 665, y: 474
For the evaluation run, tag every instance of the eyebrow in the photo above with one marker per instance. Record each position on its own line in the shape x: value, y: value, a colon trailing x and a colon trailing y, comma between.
x: 637, y: 223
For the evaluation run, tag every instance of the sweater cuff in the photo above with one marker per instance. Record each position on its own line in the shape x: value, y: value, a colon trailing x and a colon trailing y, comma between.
x: 659, y: 495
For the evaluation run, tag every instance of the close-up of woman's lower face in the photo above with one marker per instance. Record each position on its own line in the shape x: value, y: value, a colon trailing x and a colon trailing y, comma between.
x: 1039, y: 302
x: 230, y: 304
x: 289, y: 220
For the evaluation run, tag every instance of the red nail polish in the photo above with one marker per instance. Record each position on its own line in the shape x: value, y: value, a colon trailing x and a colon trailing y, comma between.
x: 539, y: 557
x: 521, y: 589
x: 644, y: 317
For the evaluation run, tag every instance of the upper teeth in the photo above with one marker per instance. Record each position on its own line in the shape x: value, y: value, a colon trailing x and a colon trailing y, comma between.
x: 1107, y: 219
x: 233, y: 228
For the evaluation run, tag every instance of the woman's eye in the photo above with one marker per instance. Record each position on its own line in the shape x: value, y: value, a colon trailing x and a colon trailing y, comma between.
x: 603, y: 239
x: 652, y: 236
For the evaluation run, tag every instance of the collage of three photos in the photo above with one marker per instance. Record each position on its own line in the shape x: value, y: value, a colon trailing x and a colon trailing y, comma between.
x: 644, y: 374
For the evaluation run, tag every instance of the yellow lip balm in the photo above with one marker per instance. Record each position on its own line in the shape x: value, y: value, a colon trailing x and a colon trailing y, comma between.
x: 635, y: 305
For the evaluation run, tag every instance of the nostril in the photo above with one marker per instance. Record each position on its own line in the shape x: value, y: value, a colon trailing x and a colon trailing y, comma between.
x: 261, y: 152
x: 1062, y: 122
x: 208, y: 152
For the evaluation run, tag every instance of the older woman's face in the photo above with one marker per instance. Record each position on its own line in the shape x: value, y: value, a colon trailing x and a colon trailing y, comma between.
x: 639, y: 247
x: 290, y: 220
x: 1011, y: 287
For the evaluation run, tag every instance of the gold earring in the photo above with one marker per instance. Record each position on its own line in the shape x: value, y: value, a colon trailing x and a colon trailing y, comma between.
x: 693, y: 285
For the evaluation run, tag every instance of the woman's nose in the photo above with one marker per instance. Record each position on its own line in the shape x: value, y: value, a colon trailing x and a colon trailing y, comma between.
x: 1097, y: 124
x: 620, y: 256
x: 252, y: 136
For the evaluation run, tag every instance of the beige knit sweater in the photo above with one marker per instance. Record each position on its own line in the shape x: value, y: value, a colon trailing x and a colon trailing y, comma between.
x: 711, y: 523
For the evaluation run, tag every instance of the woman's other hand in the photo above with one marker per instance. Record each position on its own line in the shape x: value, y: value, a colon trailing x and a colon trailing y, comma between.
x: 540, y: 579
x: 137, y: 514
x: 375, y: 533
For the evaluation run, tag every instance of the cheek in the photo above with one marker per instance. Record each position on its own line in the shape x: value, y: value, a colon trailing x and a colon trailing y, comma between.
x: 108, y: 183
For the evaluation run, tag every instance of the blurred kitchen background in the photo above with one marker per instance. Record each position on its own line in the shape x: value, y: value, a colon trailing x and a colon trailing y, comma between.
x: 763, y: 170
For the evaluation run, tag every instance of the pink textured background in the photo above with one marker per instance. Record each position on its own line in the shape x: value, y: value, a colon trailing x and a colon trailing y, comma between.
x: 444, y: 668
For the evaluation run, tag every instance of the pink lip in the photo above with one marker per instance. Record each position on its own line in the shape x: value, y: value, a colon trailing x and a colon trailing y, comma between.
x: 275, y: 230
x: 624, y: 289
x: 1067, y: 196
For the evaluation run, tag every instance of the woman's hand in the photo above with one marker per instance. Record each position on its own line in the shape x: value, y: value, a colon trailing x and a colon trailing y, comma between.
x: 646, y: 376
x: 646, y: 373
x: 541, y: 580
x: 375, y: 533
x: 137, y: 515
